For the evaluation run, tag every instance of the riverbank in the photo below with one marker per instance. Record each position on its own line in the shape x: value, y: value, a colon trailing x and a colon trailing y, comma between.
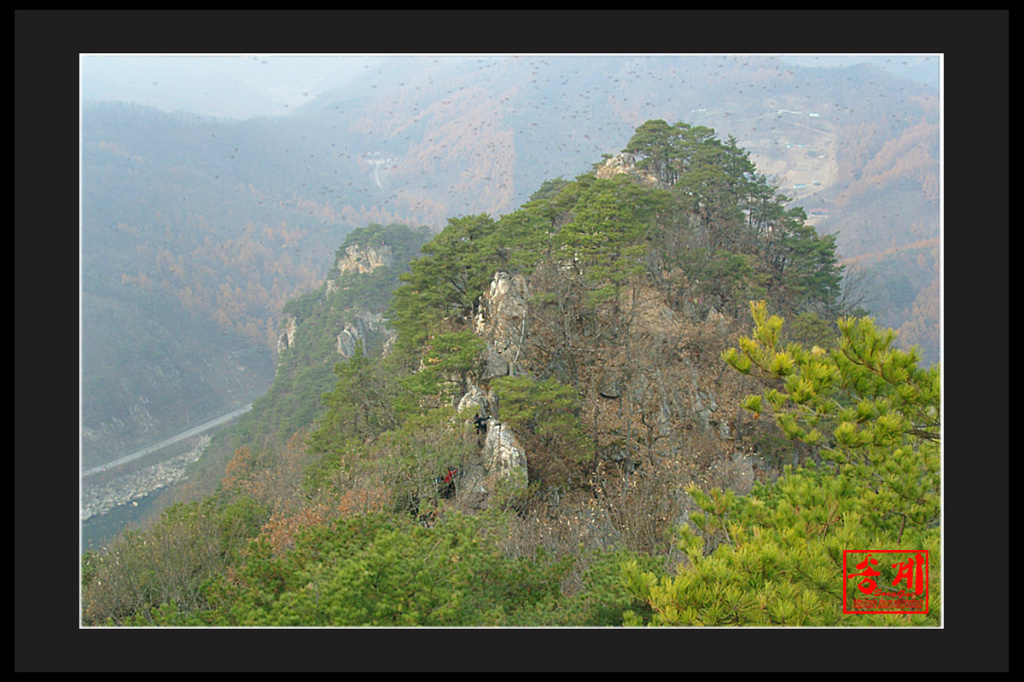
x: 99, y: 497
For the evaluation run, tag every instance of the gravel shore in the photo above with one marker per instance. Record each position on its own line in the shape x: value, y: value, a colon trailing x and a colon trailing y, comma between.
x: 97, y: 500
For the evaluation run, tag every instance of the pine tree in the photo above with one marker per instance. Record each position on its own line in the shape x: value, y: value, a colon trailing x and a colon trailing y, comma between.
x: 775, y: 557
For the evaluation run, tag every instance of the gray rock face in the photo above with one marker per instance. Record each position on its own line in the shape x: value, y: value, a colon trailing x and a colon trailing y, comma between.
x: 287, y: 338
x: 502, y: 453
x: 475, y: 400
x: 501, y: 322
x: 358, y: 330
x: 367, y: 259
x: 500, y: 462
x: 625, y: 164
x: 736, y: 473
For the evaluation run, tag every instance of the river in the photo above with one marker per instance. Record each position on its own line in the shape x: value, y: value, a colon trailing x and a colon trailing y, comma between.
x: 111, y: 500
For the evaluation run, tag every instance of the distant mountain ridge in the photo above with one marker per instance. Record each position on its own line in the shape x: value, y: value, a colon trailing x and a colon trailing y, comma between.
x: 219, y: 223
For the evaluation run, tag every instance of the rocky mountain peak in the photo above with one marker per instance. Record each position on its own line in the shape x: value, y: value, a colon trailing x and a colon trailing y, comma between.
x: 625, y: 164
x: 365, y: 259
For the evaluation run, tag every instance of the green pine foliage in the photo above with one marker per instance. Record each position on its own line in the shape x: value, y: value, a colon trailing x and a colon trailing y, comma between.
x: 775, y: 557
x: 306, y: 369
x: 144, y: 573
x: 362, y: 403
x: 605, y: 236
x: 383, y: 430
x: 545, y: 416
x: 443, y: 284
x: 449, y: 359
x: 778, y: 558
x: 387, y: 570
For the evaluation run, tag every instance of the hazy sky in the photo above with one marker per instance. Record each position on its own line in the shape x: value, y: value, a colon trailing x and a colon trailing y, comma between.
x: 243, y: 86
x: 238, y: 86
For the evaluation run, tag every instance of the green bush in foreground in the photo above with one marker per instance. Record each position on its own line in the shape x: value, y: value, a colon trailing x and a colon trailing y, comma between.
x: 386, y: 570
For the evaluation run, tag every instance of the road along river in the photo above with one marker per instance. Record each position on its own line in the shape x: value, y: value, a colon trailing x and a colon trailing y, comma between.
x: 128, y: 490
x: 213, y: 423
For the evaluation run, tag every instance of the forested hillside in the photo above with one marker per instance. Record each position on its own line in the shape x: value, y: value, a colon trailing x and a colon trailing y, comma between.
x: 184, y: 274
x: 196, y: 231
x: 644, y: 397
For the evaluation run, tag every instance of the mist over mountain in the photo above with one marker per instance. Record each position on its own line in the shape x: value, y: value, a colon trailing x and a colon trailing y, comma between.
x: 196, y: 230
x: 528, y: 341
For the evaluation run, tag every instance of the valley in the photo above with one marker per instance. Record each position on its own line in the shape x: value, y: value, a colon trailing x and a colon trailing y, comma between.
x: 565, y: 250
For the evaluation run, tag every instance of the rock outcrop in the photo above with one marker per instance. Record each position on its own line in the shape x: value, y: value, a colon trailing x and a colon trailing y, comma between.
x: 365, y: 259
x: 359, y: 329
x: 626, y: 164
x: 287, y: 337
x: 501, y: 323
x: 499, y: 463
x: 475, y: 400
x: 502, y: 454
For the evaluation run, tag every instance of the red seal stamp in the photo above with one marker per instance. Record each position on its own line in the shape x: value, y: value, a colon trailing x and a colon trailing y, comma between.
x: 885, y: 581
